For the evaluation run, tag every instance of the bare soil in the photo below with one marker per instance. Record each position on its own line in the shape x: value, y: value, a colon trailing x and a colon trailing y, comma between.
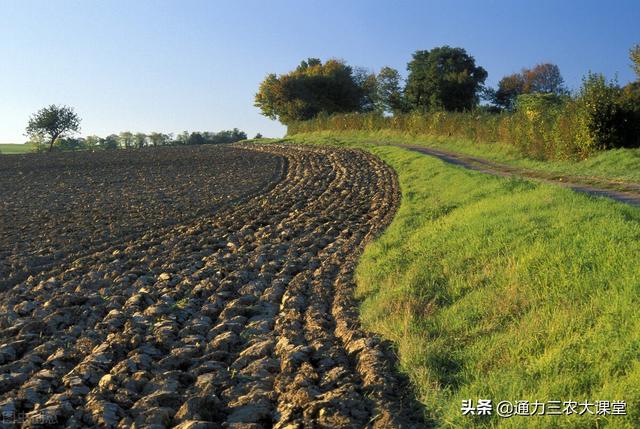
x: 55, y: 207
x: 222, y: 298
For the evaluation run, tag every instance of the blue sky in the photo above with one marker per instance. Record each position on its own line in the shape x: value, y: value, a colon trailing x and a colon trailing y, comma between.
x: 196, y: 65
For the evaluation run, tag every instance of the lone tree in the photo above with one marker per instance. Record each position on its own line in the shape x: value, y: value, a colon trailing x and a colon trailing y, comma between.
x: 53, y: 122
x: 443, y: 78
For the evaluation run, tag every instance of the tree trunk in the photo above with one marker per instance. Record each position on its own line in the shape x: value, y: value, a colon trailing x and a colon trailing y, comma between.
x: 53, y: 140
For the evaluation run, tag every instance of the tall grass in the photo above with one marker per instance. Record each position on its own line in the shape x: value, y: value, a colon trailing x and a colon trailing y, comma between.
x: 536, y: 133
x: 543, y: 127
x: 508, y: 290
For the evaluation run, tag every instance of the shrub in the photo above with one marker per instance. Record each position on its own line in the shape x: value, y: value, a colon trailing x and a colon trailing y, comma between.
x: 630, y: 101
x: 604, y: 116
x: 535, y: 117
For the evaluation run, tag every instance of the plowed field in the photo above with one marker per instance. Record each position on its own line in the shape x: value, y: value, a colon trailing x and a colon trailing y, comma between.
x: 196, y: 287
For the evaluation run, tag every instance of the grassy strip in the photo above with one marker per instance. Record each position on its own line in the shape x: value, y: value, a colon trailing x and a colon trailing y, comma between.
x: 505, y: 289
x: 616, y: 165
x: 13, y: 149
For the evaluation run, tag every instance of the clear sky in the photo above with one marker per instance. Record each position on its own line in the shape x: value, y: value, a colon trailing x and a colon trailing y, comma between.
x: 151, y: 65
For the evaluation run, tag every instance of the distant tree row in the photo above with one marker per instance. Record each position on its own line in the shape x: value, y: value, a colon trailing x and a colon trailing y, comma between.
x: 129, y: 140
x: 51, y: 127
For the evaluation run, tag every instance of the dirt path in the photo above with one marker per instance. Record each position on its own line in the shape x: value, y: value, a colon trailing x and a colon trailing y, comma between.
x: 243, y: 318
x: 621, y: 191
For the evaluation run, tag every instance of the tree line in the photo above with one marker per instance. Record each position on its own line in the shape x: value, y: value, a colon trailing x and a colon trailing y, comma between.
x: 51, y: 128
x: 444, y: 78
x: 447, y: 79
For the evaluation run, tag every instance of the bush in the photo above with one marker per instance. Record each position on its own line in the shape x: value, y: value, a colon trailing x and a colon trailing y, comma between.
x: 535, y: 118
x: 70, y: 144
x: 605, y: 117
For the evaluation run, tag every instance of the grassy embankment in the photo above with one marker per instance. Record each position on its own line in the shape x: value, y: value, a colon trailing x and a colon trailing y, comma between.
x: 12, y: 149
x: 505, y: 289
x: 617, y: 165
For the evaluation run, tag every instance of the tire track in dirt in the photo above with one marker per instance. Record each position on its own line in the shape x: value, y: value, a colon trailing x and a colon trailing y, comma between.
x: 625, y: 192
x: 243, y: 318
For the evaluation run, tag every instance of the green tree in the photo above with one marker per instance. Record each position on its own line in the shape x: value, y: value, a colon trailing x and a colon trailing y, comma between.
x: 312, y: 88
x: 71, y: 144
x: 630, y: 99
x: 38, y: 143
x: 541, y: 79
x: 634, y: 55
x: 111, y: 142
x: 196, y: 138
x: 125, y: 139
x: 54, y: 122
x: 389, y: 91
x: 159, y: 139
x: 443, y: 78
x: 182, y: 139
x: 609, y: 121
x: 140, y: 140
x: 221, y: 137
x: 509, y: 88
x: 367, y: 82
x: 93, y: 142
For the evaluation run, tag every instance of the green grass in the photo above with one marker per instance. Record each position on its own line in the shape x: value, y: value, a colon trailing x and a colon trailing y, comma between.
x: 12, y: 149
x: 617, y: 165
x: 505, y: 289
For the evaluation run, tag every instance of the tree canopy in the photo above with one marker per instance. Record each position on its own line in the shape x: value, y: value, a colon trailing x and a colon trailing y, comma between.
x: 54, y: 122
x: 140, y: 140
x: 443, y: 78
x: 159, y: 139
x: 542, y: 79
x: 110, y: 142
x: 313, y: 88
x: 389, y: 97
x: 509, y: 88
x: 126, y: 139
